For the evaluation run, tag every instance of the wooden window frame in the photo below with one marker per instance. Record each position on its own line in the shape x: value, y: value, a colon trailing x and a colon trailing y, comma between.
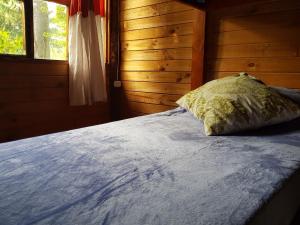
x: 29, y: 35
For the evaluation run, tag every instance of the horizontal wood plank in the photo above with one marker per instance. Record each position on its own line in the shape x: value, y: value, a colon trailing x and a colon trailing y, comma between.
x: 163, y: 88
x: 161, y: 54
x: 17, y: 82
x: 46, y: 125
x: 25, y: 119
x: 287, y: 64
x: 33, y: 69
x: 27, y: 95
x: 159, y: 43
x: 282, y: 49
x: 271, y: 35
x: 130, y: 4
x: 158, y: 32
x: 167, y: 65
x: 257, y: 8
x: 128, y: 113
x: 153, y: 10
x: 44, y: 107
x: 151, y: 98
x: 165, y: 77
x: 145, y: 108
x: 249, y: 22
x: 158, y: 21
x: 289, y: 80
x: 15, y: 131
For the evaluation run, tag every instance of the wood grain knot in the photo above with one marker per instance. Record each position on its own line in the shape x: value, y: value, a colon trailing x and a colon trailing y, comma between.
x: 251, y: 64
x: 162, y: 68
x: 179, y: 79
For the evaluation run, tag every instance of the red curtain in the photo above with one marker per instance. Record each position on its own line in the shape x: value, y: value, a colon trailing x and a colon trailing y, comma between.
x: 98, y: 6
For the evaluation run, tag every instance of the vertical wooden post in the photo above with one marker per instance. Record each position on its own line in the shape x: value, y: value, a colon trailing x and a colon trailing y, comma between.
x: 29, y: 29
x: 198, y: 63
x: 114, y: 57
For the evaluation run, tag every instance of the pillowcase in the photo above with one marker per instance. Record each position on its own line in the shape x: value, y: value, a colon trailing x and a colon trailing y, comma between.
x: 238, y: 103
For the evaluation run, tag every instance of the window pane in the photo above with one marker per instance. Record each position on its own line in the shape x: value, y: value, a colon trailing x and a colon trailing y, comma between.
x: 50, y: 30
x: 12, y: 27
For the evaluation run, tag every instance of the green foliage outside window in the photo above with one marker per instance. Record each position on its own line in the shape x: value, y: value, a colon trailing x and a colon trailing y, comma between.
x: 12, y: 38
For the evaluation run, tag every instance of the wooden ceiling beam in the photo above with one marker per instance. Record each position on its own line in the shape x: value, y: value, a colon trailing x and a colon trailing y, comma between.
x: 193, y: 4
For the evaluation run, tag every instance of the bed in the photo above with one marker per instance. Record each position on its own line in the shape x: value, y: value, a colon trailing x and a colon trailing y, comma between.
x: 155, y: 169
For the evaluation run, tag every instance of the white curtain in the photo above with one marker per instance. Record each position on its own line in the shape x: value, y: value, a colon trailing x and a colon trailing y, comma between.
x: 86, y: 59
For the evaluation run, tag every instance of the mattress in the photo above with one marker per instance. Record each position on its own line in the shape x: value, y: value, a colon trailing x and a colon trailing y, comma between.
x: 156, y: 169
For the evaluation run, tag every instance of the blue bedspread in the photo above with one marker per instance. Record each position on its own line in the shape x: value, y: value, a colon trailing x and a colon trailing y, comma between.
x: 157, y: 169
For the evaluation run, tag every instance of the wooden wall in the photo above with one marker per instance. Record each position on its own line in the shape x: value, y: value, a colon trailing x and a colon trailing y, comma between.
x: 260, y: 37
x: 34, y: 101
x: 156, y: 54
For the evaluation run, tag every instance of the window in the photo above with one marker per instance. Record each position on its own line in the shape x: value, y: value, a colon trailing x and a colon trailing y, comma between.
x: 44, y: 38
x: 12, y: 27
x: 50, y: 33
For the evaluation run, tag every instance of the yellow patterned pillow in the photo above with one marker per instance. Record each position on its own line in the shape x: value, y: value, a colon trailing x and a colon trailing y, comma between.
x: 237, y: 103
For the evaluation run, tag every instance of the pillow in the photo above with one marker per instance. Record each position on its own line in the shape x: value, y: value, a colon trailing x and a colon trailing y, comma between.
x: 237, y: 103
x: 293, y: 94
